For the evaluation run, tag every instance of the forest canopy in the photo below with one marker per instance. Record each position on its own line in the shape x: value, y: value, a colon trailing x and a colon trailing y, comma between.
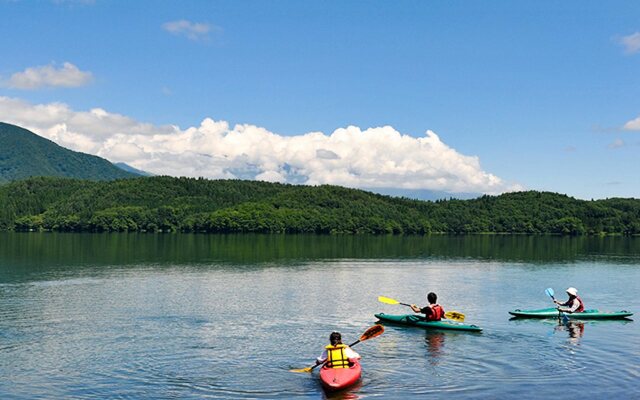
x: 170, y: 204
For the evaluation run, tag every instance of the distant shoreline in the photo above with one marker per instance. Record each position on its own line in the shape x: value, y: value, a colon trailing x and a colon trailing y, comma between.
x: 167, y: 204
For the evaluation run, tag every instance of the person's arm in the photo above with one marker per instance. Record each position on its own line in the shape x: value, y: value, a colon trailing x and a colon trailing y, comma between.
x: 563, y: 307
x: 322, y: 358
x: 415, y: 308
x: 352, y: 355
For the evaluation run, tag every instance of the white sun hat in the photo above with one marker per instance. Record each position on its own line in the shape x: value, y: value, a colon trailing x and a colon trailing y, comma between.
x: 572, y: 291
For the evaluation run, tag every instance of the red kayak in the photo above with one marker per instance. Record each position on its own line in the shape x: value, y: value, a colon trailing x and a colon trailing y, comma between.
x: 340, y: 378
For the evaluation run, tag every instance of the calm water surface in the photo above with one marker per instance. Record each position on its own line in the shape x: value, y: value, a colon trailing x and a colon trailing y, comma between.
x: 193, y: 316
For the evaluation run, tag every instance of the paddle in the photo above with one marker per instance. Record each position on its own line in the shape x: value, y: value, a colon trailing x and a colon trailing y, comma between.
x: 389, y: 300
x: 452, y: 315
x: 549, y: 292
x: 563, y: 317
x: 370, y: 333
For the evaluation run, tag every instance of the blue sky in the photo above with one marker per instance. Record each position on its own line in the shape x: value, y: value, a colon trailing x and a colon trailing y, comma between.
x: 538, y: 95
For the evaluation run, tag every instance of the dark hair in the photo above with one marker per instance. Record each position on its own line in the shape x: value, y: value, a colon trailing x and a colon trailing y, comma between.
x: 432, y: 297
x: 335, y: 338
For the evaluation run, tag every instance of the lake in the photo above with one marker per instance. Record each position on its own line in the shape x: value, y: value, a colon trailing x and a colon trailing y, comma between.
x: 159, y: 316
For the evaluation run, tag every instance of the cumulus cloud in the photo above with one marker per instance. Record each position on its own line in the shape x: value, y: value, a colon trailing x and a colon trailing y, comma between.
x: 191, y: 30
x: 372, y: 158
x: 631, y: 43
x: 633, y: 125
x: 49, y: 76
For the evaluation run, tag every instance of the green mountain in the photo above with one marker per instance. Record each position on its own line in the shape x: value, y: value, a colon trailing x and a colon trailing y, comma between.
x: 163, y: 203
x: 24, y: 154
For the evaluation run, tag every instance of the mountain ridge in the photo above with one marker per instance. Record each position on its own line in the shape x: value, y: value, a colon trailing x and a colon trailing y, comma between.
x: 24, y: 154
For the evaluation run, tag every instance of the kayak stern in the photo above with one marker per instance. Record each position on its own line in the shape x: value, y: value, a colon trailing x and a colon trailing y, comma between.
x: 334, y: 379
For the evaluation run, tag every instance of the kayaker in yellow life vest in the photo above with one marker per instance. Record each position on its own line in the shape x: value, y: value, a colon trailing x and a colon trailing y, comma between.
x: 336, y: 354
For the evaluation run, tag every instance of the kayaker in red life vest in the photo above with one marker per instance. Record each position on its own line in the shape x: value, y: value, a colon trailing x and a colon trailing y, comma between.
x: 432, y: 312
x: 337, y: 355
x: 574, y: 304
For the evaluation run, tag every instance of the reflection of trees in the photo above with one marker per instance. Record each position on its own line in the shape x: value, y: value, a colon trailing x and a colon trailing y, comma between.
x: 255, y: 248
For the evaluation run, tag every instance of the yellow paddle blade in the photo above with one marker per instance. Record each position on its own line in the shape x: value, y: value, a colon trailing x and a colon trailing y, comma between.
x: 387, y: 300
x: 454, y: 315
x: 308, y: 369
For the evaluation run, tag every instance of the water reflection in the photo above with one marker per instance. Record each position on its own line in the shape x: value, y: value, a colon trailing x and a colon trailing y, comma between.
x: 435, y: 343
x: 575, y: 330
x: 350, y: 393
x: 37, y: 248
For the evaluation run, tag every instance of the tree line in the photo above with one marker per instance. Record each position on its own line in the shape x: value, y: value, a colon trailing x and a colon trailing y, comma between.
x: 170, y: 204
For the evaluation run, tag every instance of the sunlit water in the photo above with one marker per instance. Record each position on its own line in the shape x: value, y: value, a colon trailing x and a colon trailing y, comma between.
x: 189, y: 316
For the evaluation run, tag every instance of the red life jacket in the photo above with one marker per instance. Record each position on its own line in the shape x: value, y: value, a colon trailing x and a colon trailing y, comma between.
x: 437, y: 313
x: 581, y: 306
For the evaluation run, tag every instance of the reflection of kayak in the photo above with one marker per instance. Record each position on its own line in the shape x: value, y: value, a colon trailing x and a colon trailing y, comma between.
x: 340, y: 378
x: 586, y: 314
x: 414, y: 320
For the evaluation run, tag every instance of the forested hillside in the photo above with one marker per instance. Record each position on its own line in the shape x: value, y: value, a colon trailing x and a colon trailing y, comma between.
x: 200, y: 205
x: 24, y: 154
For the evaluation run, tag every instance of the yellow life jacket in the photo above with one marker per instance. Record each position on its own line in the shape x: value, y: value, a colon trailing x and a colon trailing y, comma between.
x: 336, y: 356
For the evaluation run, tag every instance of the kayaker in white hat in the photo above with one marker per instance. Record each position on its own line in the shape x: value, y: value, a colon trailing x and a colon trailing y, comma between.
x: 337, y: 354
x: 574, y: 304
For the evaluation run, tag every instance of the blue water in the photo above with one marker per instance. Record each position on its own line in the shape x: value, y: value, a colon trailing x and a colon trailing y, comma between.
x: 83, y: 327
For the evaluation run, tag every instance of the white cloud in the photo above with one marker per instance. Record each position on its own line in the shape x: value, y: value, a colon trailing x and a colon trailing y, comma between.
x: 49, y: 76
x: 372, y: 158
x: 191, y: 30
x: 633, y: 125
x: 631, y: 43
